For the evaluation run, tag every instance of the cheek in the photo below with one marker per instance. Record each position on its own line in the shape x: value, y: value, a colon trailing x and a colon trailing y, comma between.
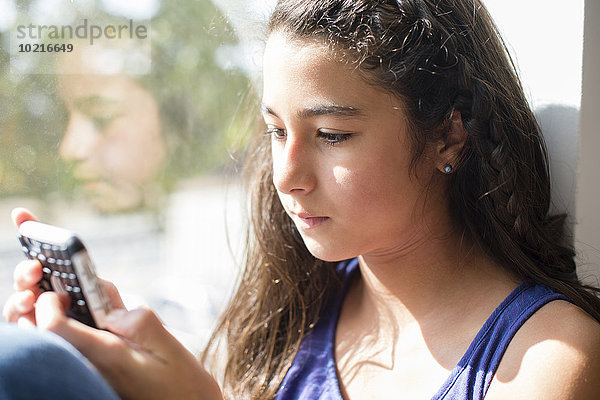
x: 370, y: 177
x: 375, y: 189
x: 357, y: 189
x: 275, y: 162
x: 133, y: 150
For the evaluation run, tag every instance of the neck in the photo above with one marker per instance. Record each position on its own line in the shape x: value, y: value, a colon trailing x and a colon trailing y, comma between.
x: 426, y: 283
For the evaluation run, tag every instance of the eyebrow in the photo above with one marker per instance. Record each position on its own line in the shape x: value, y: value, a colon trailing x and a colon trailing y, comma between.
x: 324, y: 109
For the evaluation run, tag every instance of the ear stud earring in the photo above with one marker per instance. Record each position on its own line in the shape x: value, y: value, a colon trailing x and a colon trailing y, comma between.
x: 448, y: 169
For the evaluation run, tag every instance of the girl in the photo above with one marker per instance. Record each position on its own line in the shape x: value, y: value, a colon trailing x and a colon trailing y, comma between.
x: 400, y: 241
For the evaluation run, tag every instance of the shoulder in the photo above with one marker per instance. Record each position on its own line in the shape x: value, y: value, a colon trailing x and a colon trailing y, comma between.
x: 555, y: 354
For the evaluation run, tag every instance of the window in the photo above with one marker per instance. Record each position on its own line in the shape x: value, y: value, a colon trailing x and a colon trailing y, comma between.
x: 121, y: 121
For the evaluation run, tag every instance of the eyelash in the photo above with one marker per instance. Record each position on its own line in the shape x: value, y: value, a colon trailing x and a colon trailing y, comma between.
x: 331, y: 139
x: 272, y: 132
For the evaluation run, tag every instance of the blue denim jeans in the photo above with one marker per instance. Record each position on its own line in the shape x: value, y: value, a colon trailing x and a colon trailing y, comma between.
x: 42, y: 365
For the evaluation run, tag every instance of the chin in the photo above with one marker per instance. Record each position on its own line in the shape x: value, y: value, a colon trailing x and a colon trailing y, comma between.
x: 328, y: 253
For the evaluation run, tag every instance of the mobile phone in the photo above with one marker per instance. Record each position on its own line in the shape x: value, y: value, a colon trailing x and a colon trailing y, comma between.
x: 66, y: 268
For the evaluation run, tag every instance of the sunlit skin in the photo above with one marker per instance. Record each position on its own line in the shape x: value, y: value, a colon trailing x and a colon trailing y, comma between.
x: 341, y: 167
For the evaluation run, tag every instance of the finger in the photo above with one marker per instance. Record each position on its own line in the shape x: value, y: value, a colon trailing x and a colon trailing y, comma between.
x: 51, y: 309
x: 111, y: 291
x: 106, y: 351
x: 18, y: 305
x: 20, y: 215
x: 26, y: 321
x: 143, y: 327
x: 27, y: 275
x: 50, y: 313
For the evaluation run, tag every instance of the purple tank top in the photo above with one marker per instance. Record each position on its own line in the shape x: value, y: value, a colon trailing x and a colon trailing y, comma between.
x: 313, y: 373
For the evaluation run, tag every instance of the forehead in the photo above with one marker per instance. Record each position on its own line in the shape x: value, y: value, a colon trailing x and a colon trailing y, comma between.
x: 303, y: 73
x: 309, y: 56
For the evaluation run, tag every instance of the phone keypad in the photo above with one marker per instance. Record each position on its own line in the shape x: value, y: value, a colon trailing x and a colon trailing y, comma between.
x: 56, y: 263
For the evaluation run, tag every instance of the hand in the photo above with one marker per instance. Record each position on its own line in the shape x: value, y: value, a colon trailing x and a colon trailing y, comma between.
x: 136, y: 354
x: 20, y: 307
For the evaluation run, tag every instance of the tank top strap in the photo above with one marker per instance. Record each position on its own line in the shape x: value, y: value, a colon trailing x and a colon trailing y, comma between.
x: 471, y: 377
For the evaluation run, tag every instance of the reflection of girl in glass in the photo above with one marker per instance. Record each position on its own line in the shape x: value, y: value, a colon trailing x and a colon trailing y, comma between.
x: 400, y: 238
x: 132, y: 133
x: 113, y: 136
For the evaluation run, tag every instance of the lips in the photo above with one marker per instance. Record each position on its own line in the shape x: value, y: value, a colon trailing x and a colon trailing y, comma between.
x: 308, y: 221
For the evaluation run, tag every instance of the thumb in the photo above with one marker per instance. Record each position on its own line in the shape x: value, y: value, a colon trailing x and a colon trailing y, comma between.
x: 50, y: 310
x: 50, y: 314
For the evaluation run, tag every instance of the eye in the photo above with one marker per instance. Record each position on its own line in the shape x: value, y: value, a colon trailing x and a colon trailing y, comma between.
x: 103, y: 118
x: 333, y: 139
x: 102, y: 121
x: 276, y: 133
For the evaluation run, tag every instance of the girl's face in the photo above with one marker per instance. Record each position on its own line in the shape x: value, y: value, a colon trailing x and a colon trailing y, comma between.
x: 342, y: 155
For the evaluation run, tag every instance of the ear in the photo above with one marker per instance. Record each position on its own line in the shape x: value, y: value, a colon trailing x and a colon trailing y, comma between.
x: 450, y: 146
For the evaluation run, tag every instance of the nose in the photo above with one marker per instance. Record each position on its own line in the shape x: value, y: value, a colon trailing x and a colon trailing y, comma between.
x: 80, y: 138
x: 294, y: 166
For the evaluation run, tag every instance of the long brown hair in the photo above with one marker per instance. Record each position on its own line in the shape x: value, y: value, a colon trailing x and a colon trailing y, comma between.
x: 438, y: 56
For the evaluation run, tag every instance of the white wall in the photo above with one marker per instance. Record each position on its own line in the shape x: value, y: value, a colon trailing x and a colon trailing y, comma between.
x: 587, y: 232
x: 545, y: 38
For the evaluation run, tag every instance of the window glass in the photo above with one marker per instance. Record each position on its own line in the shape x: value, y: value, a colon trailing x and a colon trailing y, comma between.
x: 122, y: 121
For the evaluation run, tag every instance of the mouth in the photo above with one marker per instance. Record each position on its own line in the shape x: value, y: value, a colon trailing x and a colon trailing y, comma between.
x: 308, y: 221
